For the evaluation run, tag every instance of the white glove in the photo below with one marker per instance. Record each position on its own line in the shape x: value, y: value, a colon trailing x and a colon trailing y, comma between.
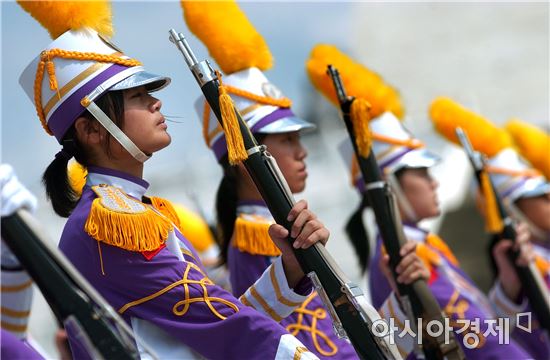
x: 14, y: 195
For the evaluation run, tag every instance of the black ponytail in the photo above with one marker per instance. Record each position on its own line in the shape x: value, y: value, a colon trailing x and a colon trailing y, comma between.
x: 227, y: 198
x: 358, y: 235
x: 56, y: 179
x: 226, y: 208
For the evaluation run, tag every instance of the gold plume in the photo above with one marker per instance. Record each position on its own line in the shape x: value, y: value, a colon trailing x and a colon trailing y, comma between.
x: 533, y: 144
x: 228, y: 34
x: 358, y: 80
x: 60, y: 16
x: 485, y: 137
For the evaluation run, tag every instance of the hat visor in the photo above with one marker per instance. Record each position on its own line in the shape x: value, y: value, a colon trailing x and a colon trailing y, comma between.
x: 285, y: 125
x: 418, y: 158
x: 151, y: 82
x: 534, y: 187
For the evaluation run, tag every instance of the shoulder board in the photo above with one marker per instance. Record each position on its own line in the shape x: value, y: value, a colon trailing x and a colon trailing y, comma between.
x: 251, y: 236
x: 122, y: 221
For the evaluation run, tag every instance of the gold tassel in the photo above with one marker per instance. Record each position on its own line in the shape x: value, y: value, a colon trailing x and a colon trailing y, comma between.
x: 360, y: 119
x: 436, y: 242
x: 235, y: 144
x: 493, y: 222
x: 253, y: 237
x: 144, y: 231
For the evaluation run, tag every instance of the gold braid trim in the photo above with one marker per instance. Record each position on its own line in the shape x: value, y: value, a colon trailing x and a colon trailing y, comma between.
x: 46, y: 63
x: 253, y: 237
x: 410, y: 143
x: 317, y: 314
x: 182, y: 306
x: 266, y: 100
x: 118, y: 220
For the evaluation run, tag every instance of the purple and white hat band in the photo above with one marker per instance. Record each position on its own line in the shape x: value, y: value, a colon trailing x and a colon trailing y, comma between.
x: 514, y: 178
x: 394, y: 158
x: 71, y: 108
x: 284, y: 120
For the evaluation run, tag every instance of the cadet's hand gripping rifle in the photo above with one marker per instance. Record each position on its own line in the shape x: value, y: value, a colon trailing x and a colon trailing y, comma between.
x: 352, y: 315
x: 416, y: 298
x: 74, y: 302
x: 531, y: 280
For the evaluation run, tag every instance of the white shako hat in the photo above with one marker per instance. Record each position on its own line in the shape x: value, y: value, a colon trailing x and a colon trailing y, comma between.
x: 514, y: 178
x: 261, y: 105
x: 78, y: 67
x: 395, y: 148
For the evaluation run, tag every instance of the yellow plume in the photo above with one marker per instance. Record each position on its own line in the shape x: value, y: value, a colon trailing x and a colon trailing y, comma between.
x: 533, y: 144
x: 358, y: 80
x: 485, y: 137
x: 60, y: 16
x: 77, y: 177
x: 194, y: 228
x: 227, y: 33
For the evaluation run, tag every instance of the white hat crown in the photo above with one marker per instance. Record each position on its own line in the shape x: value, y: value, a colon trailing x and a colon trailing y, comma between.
x: 513, y: 178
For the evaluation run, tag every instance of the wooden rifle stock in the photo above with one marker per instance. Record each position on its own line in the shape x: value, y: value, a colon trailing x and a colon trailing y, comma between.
x: 346, y: 300
x: 416, y: 298
x: 530, y: 278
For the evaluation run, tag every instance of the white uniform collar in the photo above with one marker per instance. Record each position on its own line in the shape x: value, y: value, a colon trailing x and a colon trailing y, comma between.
x: 251, y: 207
x: 131, y: 185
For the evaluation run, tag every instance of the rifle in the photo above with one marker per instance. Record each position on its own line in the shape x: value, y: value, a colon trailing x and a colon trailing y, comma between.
x: 530, y: 278
x: 73, y: 300
x: 353, y: 317
x: 416, y: 298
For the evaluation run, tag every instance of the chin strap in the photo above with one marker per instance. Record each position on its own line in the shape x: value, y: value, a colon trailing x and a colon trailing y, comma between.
x: 404, y: 204
x: 114, y: 130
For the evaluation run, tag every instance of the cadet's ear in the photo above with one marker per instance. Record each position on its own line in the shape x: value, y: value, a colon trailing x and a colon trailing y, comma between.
x: 88, y: 131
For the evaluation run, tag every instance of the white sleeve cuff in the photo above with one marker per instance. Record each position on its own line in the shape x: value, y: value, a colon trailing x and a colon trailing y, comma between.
x: 271, y: 294
x: 399, y: 325
x: 505, y: 307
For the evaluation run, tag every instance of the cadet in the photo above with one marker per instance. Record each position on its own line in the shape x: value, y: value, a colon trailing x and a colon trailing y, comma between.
x: 96, y: 101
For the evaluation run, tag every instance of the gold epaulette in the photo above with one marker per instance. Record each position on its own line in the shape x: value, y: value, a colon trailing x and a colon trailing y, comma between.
x: 119, y: 220
x: 438, y: 243
x: 543, y: 265
x: 166, y: 208
x: 251, y: 236
x: 429, y: 256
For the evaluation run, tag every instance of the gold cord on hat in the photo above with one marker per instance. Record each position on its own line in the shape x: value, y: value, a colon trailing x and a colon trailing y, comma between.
x: 46, y: 63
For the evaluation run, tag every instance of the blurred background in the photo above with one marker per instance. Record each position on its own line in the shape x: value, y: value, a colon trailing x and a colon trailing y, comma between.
x: 491, y: 57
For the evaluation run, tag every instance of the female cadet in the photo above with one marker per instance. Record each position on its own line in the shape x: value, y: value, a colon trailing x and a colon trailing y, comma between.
x: 516, y: 183
x: 405, y: 163
x: 96, y: 102
x: 243, y: 217
x: 533, y: 207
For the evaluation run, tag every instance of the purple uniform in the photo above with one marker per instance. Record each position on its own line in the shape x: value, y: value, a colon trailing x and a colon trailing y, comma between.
x: 163, y: 293
x: 310, y: 323
x: 471, y: 313
x: 13, y: 348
